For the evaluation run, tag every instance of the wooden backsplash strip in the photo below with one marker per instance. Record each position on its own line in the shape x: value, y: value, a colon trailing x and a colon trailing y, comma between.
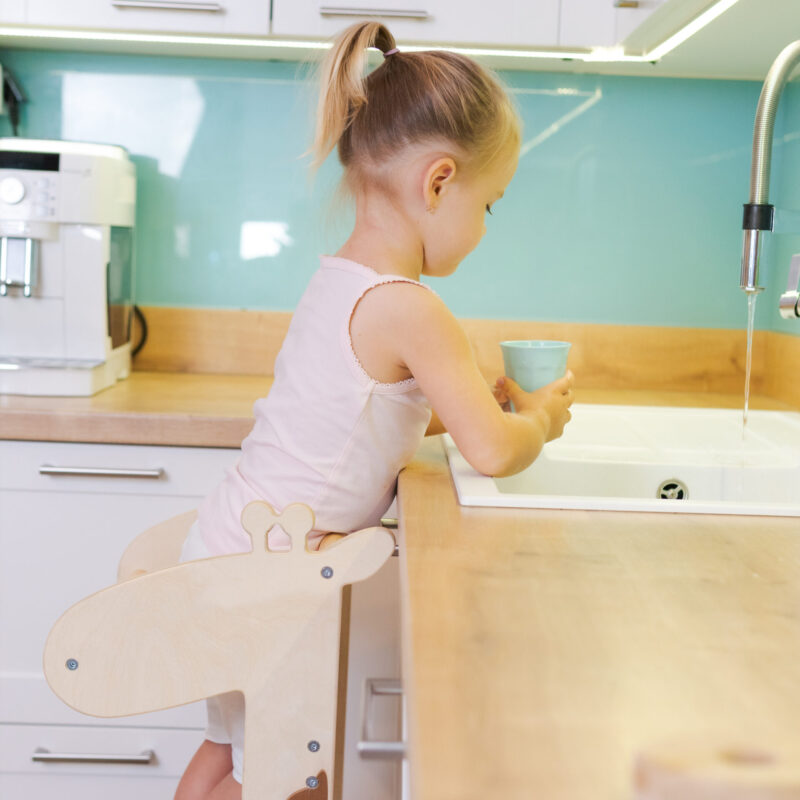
x: 602, y: 356
x: 631, y: 356
x: 211, y: 340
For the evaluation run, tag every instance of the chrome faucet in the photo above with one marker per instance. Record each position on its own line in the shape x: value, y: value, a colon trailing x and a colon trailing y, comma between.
x: 759, y: 215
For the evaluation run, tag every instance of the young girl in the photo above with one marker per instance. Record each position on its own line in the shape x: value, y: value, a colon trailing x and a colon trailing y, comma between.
x: 373, y: 360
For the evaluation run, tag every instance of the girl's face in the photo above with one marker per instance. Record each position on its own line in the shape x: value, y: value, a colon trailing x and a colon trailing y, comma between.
x: 457, y: 221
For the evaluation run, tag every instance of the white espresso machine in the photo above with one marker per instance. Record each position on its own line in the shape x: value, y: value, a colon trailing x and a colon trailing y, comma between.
x: 66, y: 266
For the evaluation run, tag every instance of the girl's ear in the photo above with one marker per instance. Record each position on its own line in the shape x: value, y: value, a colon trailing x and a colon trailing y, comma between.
x: 438, y: 177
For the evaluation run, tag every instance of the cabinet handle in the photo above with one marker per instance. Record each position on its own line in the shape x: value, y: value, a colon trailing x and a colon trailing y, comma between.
x: 371, y: 748
x: 168, y: 5
x: 101, y: 472
x: 391, y: 522
x: 146, y: 757
x: 398, y: 13
x: 626, y: 3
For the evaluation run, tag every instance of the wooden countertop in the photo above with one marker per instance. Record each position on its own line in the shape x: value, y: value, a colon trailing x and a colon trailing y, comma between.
x: 544, y: 649
x: 213, y: 410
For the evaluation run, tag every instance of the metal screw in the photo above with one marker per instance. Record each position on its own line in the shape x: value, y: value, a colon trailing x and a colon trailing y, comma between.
x: 313, y: 746
x: 327, y: 572
x: 72, y: 664
x: 312, y: 782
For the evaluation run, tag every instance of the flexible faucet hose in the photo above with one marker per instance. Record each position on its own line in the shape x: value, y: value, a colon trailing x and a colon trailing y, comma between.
x: 767, y: 109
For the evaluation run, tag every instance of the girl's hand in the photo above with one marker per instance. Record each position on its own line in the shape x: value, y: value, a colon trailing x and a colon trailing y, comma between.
x: 551, y: 401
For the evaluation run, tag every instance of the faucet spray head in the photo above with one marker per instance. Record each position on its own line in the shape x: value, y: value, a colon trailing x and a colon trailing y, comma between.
x: 757, y: 217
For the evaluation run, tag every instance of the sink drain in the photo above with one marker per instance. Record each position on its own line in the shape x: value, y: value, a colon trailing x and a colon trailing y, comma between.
x: 673, y: 489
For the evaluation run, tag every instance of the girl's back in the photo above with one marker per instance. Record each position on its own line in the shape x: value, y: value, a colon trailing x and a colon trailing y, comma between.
x: 327, y: 434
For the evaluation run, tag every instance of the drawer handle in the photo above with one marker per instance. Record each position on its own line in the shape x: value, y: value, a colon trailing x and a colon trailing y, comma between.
x: 397, y: 13
x: 40, y: 754
x: 101, y: 472
x: 371, y: 748
x: 168, y: 5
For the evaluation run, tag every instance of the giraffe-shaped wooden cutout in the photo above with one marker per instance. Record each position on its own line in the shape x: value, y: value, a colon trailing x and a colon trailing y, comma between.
x: 263, y: 623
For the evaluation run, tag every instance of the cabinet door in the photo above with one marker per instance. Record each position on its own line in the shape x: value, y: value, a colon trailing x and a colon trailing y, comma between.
x: 506, y: 22
x: 374, y: 652
x: 249, y: 17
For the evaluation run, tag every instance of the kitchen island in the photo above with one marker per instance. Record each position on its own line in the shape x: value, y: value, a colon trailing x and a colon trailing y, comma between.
x: 542, y: 649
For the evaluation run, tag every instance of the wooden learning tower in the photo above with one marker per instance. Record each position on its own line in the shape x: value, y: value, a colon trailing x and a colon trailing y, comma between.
x: 265, y: 623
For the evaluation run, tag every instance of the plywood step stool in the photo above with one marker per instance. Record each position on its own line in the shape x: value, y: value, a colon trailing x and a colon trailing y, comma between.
x: 264, y: 623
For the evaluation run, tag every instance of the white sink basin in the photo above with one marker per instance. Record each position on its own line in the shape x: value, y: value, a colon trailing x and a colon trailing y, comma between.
x: 639, y: 458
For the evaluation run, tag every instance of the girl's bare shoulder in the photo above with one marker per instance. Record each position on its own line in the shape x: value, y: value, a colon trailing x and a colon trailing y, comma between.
x: 390, y: 317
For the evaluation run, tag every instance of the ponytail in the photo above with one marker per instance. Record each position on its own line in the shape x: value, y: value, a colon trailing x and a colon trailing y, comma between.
x: 343, y: 90
x: 428, y: 96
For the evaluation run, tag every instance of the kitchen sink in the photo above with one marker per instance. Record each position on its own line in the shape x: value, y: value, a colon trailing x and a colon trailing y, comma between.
x: 644, y: 458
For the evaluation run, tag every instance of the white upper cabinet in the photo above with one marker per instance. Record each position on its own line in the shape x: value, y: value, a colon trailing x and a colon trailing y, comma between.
x: 509, y: 23
x: 533, y: 23
x: 12, y: 11
x: 217, y: 16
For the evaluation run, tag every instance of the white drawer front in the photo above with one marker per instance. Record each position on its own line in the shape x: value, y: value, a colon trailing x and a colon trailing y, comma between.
x: 172, y: 750
x: 176, y: 471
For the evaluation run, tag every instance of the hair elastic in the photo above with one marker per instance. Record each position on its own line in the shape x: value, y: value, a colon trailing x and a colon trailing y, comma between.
x: 391, y: 52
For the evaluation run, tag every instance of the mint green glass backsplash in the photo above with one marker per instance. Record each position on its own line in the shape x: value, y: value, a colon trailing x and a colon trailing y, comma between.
x: 626, y: 207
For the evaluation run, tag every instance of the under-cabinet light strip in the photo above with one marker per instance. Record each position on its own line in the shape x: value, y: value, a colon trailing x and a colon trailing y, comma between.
x: 159, y: 38
x: 598, y: 54
x: 228, y: 41
x: 689, y: 30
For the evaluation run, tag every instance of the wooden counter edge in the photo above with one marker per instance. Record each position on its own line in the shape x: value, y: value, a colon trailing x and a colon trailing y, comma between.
x: 124, y: 428
x: 429, y: 466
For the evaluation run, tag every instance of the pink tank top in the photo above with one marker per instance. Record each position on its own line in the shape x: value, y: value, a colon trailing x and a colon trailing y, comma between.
x: 327, y: 434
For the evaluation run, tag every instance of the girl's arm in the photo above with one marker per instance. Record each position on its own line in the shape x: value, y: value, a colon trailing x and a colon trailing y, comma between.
x: 435, y: 426
x: 431, y: 343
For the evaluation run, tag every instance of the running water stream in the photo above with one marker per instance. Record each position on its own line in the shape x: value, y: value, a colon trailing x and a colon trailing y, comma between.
x: 751, y: 311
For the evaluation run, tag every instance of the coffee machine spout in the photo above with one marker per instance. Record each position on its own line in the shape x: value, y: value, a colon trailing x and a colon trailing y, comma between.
x: 18, y: 264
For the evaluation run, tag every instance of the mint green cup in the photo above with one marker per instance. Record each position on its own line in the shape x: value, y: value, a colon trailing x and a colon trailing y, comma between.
x: 534, y: 363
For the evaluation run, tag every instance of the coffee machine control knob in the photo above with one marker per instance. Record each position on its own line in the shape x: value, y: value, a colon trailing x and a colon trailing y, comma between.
x: 12, y: 190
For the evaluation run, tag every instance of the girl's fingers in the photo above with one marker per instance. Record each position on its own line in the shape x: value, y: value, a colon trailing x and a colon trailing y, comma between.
x: 566, y: 382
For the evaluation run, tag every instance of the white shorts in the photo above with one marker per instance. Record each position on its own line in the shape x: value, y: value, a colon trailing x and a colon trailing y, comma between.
x: 226, y: 711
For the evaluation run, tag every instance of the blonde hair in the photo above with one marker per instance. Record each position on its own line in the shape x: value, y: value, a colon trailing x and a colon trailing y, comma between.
x: 411, y: 98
